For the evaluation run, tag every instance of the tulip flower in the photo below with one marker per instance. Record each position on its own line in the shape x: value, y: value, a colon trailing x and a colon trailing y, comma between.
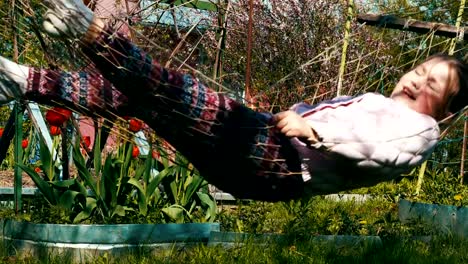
x: 87, y: 141
x: 135, y: 125
x: 1, y: 131
x: 24, y: 143
x: 57, y: 116
x: 135, y: 152
x: 156, y: 155
x: 54, y: 130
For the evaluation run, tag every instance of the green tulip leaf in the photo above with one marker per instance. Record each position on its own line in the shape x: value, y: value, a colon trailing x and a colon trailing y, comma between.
x: 43, y: 186
x: 174, y: 213
x: 142, y: 204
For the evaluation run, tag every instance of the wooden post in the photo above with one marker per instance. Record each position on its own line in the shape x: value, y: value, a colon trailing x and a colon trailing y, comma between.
x: 393, y: 22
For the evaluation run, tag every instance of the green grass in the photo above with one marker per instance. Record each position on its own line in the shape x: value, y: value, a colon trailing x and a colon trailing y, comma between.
x: 320, y: 216
x: 442, y: 250
x: 301, y: 220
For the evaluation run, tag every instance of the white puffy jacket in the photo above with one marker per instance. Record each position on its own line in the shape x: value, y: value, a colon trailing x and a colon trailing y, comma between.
x: 364, y: 140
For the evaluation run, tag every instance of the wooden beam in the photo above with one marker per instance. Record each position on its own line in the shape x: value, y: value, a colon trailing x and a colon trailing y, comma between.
x: 210, y: 5
x: 390, y: 21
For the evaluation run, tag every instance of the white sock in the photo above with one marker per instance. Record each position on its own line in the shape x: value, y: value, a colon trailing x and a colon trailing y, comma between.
x: 67, y: 18
x: 13, y: 80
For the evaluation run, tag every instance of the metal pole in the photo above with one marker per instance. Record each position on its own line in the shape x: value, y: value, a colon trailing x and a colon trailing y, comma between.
x: 451, y: 51
x: 18, y: 182
x: 221, y: 39
x: 349, y: 17
x: 18, y: 113
x: 463, y: 155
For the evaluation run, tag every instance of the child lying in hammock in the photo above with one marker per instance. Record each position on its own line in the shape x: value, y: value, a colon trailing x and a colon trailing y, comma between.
x: 345, y: 143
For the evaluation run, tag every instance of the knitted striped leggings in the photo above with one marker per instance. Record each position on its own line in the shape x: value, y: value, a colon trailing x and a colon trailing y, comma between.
x: 233, y: 147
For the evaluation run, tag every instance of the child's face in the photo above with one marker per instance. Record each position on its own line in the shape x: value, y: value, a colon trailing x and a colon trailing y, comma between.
x: 428, y: 88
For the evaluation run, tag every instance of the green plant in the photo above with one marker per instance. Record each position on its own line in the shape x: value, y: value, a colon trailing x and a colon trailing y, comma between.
x: 443, y: 186
x: 123, y: 183
x: 184, y: 190
x: 71, y: 195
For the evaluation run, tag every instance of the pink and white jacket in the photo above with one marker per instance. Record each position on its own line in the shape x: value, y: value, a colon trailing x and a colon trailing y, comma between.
x: 363, y: 140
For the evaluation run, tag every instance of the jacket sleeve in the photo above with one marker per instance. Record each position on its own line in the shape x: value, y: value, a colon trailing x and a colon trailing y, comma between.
x: 375, y: 132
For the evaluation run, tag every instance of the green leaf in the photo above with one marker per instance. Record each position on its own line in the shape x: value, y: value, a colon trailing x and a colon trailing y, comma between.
x: 195, y: 184
x: 142, y: 204
x: 128, y: 159
x: 140, y: 170
x: 46, y: 160
x: 83, y: 172
x: 148, y: 167
x: 88, y: 210
x: 174, y: 213
x: 64, y: 184
x: 155, y: 183
x: 108, y: 186
x: 208, y: 201
x: 83, y: 215
x: 43, y: 186
x: 81, y: 188
x: 173, y: 188
x: 97, y: 153
x: 67, y: 199
x: 119, y: 210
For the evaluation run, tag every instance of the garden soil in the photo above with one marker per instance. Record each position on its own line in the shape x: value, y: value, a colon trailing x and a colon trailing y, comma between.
x: 7, y: 178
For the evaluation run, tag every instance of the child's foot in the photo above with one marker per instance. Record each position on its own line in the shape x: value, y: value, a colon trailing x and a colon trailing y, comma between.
x: 13, y: 80
x: 67, y: 18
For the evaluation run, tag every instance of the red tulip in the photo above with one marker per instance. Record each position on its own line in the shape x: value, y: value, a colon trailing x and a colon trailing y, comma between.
x: 37, y: 169
x: 57, y: 116
x: 54, y: 130
x: 87, y: 141
x: 1, y: 131
x: 156, y: 154
x: 135, y: 152
x: 24, y: 143
x: 135, y: 125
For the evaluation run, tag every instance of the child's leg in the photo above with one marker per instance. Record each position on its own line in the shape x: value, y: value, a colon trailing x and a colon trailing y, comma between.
x: 232, y: 146
x: 84, y: 92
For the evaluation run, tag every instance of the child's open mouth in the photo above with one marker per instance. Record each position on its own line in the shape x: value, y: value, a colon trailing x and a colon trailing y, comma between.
x: 408, y: 93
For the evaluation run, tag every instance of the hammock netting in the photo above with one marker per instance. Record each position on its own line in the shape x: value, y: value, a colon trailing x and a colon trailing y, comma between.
x: 297, y: 49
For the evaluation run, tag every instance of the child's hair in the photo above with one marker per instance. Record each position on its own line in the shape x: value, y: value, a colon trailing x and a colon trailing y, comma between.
x: 460, y: 99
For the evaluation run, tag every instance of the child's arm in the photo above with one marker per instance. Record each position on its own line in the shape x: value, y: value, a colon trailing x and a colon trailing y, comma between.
x: 292, y: 124
x: 375, y: 132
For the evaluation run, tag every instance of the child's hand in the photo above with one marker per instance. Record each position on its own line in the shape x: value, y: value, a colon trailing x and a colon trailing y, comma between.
x: 293, y: 125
